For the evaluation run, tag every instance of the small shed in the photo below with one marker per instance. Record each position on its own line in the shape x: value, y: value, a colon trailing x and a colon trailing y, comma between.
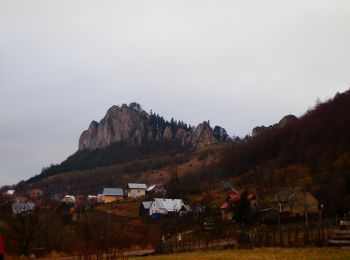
x: 112, y: 194
x: 136, y: 190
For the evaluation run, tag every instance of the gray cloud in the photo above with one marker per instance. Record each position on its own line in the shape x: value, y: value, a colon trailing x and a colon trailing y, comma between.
x: 237, y: 63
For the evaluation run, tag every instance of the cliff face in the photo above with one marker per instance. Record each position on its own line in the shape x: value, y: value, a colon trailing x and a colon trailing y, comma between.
x: 135, y: 126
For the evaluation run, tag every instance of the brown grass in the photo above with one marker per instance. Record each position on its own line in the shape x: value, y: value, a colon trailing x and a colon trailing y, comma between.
x: 262, y: 253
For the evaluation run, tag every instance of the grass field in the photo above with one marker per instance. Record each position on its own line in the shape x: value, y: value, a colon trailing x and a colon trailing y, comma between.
x: 262, y: 253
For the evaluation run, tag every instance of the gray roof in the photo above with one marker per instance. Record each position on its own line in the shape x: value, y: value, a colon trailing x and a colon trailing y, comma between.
x: 146, y: 204
x: 137, y: 186
x: 113, y: 192
x: 171, y: 205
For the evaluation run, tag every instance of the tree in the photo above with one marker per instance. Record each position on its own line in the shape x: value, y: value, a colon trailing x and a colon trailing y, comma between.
x: 135, y: 106
x: 24, y: 227
x: 243, y: 209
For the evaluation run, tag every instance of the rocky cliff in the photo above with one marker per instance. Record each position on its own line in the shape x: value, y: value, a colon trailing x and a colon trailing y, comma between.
x: 135, y: 126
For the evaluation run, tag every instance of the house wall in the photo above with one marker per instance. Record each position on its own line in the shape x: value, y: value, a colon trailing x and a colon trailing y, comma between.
x: 135, y: 193
x: 155, y: 209
x: 108, y: 199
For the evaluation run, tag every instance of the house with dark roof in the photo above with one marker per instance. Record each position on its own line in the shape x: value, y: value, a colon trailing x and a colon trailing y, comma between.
x: 295, y: 201
x: 136, y: 190
x: 112, y: 194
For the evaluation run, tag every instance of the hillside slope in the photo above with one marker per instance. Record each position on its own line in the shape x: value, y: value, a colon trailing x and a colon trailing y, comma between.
x: 313, y: 152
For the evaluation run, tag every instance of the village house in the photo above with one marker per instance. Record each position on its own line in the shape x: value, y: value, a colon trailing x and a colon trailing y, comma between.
x: 22, y: 207
x: 112, y: 194
x: 295, y: 202
x: 161, y: 207
x: 136, y: 190
x: 156, y: 190
x: 68, y: 199
x: 228, y: 207
x: 10, y: 193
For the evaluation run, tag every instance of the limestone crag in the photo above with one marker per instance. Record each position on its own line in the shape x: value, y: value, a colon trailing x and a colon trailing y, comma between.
x: 135, y: 126
x: 119, y: 124
x: 203, y: 135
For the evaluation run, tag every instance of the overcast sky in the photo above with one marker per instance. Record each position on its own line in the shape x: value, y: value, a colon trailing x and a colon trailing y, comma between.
x: 239, y: 63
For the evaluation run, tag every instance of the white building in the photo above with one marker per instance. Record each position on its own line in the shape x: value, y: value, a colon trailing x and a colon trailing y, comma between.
x: 165, y: 206
x: 69, y: 199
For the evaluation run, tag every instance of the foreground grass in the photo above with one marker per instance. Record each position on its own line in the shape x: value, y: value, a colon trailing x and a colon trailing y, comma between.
x: 261, y: 253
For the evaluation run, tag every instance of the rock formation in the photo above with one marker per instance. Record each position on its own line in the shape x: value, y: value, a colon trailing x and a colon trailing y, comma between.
x: 282, y: 123
x: 203, y: 135
x: 135, y: 126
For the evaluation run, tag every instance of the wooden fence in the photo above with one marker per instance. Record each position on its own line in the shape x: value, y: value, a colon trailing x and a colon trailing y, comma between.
x: 238, y: 236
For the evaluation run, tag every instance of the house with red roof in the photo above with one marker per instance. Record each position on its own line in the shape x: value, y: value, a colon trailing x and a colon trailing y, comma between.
x: 228, y: 206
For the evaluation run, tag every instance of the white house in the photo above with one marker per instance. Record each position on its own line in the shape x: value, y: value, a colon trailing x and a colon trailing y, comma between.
x: 136, y: 190
x: 69, y: 199
x: 165, y: 206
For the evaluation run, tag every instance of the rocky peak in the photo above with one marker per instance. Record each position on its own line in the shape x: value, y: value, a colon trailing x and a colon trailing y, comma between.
x: 203, y: 135
x: 132, y: 124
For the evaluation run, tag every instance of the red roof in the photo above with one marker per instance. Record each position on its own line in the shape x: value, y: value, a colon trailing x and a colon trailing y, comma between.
x: 234, y: 198
x: 225, y: 205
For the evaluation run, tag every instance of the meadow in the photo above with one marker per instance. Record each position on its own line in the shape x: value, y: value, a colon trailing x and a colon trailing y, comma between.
x: 261, y: 253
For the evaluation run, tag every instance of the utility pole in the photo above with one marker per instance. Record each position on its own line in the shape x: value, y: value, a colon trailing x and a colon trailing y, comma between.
x: 279, y: 223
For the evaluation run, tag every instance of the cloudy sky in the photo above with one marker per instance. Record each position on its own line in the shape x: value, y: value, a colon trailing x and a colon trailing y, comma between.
x: 239, y: 63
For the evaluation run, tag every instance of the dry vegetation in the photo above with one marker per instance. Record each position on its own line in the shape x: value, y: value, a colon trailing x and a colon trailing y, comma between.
x: 264, y: 253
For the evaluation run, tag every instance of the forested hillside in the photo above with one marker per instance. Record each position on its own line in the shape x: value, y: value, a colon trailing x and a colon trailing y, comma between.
x: 313, y: 152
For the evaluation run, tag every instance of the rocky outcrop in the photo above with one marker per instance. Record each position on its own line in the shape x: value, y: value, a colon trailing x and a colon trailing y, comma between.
x: 258, y: 130
x: 282, y: 123
x: 135, y: 126
x: 287, y: 120
x: 203, y: 135
x: 119, y: 124
x: 168, y: 134
x: 184, y: 136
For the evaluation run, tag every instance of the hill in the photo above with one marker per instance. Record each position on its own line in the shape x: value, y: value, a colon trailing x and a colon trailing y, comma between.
x: 312, y: 152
